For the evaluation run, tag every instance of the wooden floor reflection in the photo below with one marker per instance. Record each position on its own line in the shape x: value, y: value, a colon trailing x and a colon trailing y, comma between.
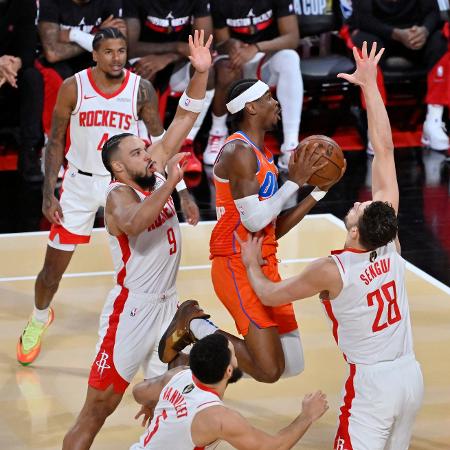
x: 39, y: 403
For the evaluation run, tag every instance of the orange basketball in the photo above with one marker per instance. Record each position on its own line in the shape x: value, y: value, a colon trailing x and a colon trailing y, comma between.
x: 332, y: 153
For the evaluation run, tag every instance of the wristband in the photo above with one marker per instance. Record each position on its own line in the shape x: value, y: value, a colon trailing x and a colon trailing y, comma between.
x: 84, y: 40
x: 317, y: 194
x: 181, y: 186
x: 191, y: 104
x: 156, y: 139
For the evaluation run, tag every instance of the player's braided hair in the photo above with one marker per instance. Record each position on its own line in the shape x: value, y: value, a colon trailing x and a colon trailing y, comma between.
x: 109, y: 149
x: 236, y: 89
x: 378, y: 225
x: 106, y: 33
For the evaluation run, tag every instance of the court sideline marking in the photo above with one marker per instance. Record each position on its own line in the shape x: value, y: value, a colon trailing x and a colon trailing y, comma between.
x: 330, y: 217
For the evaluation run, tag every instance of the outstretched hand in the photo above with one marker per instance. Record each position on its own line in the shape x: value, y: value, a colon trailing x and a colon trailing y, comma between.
x: 200, y: 55
x: 366, y: 66
x: 251, y: 249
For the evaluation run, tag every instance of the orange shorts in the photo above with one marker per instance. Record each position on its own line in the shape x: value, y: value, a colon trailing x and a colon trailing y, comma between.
x: 231, y: 284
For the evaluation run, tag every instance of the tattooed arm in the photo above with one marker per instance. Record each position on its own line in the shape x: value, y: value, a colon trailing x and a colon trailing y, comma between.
x: 54, y: 153
x: 54, y: 49
x: 147, y: 107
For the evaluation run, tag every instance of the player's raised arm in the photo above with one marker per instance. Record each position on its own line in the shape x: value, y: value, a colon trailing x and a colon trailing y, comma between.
x: 190, y: 104
x: 319, y: 276
x: 384, y: 178
x: 221, y: 423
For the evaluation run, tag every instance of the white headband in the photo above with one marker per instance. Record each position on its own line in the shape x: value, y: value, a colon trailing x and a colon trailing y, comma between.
x: 249, y: 95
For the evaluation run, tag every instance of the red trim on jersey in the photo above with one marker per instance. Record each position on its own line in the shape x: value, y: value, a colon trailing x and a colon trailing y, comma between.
x: 68, y: 140
x: 126, y: 253
x: 104, y: 94
x: 103, y: 370
x: 134, y: 105
x: 340, y: 262
x: 348, y: 249
x: 201, y: 386
x: 343, y: 432
x: 329, y: 311
x: 75, y: 111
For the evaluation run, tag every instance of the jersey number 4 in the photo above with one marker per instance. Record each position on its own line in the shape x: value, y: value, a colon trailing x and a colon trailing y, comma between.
x: 153, y: 430
x: 104, y: 138
x: 386, y: 295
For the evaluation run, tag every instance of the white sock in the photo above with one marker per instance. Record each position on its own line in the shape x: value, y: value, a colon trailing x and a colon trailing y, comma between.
x: 41, y: 315
x: 219, y: 125
x: 209, y: 95
x: 202, y: 328
x: 434, y: 113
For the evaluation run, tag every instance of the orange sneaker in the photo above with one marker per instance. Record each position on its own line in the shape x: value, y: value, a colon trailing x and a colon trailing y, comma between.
x: 29, y: 345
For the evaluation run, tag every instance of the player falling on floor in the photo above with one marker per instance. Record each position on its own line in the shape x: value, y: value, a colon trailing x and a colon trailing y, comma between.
x: 144, y: 236
x: 92, y: 106
x: 363, y: 291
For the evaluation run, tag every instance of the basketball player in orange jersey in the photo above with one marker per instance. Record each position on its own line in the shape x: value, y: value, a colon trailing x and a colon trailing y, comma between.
x: 362, y: 289
x: 92, y: 106
x: 144, y: 236
x: 248, y: 199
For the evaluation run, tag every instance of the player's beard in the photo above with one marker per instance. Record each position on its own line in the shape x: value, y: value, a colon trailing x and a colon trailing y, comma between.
x: 147, y: 182
x: 235, y: 376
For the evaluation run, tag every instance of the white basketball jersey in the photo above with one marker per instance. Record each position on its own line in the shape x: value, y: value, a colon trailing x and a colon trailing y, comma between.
x: 180, y: 400
x: 98, y: 116
x: 148, y: 262
x: 370, y: 316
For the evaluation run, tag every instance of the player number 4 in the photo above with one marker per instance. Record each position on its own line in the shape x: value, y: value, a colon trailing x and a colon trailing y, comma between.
x: 153, y: 430
x: 386, y: 295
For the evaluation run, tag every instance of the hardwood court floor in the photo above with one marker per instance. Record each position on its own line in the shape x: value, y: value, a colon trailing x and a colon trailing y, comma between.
x: 39, y: 403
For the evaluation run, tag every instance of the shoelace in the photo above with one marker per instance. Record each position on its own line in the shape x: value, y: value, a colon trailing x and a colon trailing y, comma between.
x: 32, y: 333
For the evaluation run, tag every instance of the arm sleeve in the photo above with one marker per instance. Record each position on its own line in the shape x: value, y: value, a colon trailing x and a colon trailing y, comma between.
x: 219, y: 19
x: 366, y: 21
x: 131, y: 9
x: 284, y: 8
x: 48, y: 11
x: 202, y: 8
x: 431, y: 15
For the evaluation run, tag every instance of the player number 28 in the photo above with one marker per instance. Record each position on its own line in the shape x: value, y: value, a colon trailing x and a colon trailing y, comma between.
x: 387, y: 295
x: 172, y: 241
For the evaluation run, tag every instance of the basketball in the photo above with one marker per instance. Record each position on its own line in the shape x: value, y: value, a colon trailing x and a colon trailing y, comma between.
x: 332, y: 153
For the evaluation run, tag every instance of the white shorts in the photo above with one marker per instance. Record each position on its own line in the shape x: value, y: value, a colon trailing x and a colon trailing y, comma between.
x: 81, y: 197
x: 379, y: 405
x: 131, y: 326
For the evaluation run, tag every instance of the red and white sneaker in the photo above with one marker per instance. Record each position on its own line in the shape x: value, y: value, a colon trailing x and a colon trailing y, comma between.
x: 193, y: 165
x: 215, y: 143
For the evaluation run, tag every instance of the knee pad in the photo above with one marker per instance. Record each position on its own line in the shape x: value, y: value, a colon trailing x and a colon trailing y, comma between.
x: 294, y: 362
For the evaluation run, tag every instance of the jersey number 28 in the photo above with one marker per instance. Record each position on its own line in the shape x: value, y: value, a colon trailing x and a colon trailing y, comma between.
x: 386, y: 295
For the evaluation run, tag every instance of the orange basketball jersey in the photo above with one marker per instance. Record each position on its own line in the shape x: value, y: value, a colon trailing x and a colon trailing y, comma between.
x: 223, y: 242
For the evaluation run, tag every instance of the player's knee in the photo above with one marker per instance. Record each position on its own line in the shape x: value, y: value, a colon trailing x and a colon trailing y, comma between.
x: 270, y: 374
x: 287, y: 56
x: 49, y: 277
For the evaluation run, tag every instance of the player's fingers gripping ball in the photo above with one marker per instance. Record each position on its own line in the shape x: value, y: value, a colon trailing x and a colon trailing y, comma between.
x: 328, y: 150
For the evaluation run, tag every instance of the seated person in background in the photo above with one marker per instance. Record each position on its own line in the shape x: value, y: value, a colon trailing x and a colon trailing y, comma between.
x: 157, y: 43
x: 67, y: 29
x: 190, y: 411
x: 412, y: 29
x: 21, y: 95
x: 257, y: 40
